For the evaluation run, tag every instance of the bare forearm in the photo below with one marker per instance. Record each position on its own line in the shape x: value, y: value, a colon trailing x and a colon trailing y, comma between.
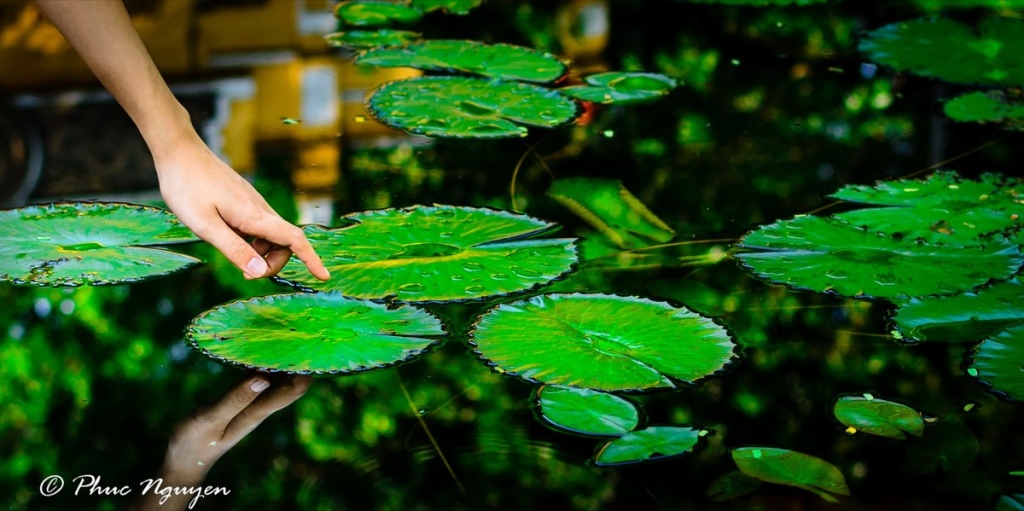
x: 103, y: 34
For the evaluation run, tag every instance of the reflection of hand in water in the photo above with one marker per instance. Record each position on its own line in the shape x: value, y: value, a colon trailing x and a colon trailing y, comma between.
x: 198, y: 441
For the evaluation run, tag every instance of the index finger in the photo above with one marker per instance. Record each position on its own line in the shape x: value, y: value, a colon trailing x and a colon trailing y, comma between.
x: 279, y: 232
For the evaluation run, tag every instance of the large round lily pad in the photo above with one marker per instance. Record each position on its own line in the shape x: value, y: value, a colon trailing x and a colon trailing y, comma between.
x: 878, y: 417
x: 371, y: 13
x: 999, y: 362
x: 965, y: 317
x: 363, y: 39
x: 319, y: 333
x: 602, y: 342
x: 949, y: 50
x: 72, y: 244
x: 503, y: 61
x: 458, y: 7
x: 464, y: 107
x: 587, y: 412
x: 782, y: 466
x: 824, y: 254
x: 435, y: 254
x: 622, y: 88
x: 653, y: 443
x: 994, y: 106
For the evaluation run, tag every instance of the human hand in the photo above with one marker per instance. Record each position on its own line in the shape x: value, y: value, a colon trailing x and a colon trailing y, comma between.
x: 221, y: 207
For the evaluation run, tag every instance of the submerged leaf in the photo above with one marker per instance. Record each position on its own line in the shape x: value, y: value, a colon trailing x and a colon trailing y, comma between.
x: 363, y: 39
x: 459, y: 7
x: 610, y: 208
x: 502, y: 61
x: 878, y: 417
x: 993, y: 106
x: 949, y: 50
x: 463, y: 107
x: 587, y: 412
x: 782, y: 466
x: 320, y: 333
x: 73, y: 244
x: 435, y: 253
x: 622, y: 88
x: 822, y: 254
x: 653, y: 443
x: 602, y: 342
x: 999, y: 362
x: 949, y: 445
x: 369, y: 13
x: 966, y: 317
x: 731, y: 485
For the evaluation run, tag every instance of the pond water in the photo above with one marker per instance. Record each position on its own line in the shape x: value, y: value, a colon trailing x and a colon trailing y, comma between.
x: 776, y: 111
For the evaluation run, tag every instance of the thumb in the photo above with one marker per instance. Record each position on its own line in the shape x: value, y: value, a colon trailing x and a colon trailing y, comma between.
x: 240, y: 253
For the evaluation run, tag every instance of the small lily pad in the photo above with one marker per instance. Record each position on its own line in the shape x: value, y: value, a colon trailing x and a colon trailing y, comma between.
x: 949, y: 50
x: 73, y: 244
x: 611, y: 209
x: 993, y: 106
x: 999, y: 362
x: 949, y: 445
x: 587, y: 412
x: 823, y: 254
x: 464, y: 107
x: 878, y: 417
x: 602, y: 342
x: 502, y: 61
x: 368, y: 13
x: 435, y: 254
x: 364, y: 39
x: 782, y: 466
x: 731, y: 485
x: 459, y: 7
x: 966, y: 317
x: 650, y: 444
x: 622, y: 88
x: 320, y: 333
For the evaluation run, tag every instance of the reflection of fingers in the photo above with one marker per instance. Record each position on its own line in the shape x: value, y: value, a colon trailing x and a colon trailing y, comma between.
x: 276, y: 260
x: 240, y: 253
x: 237, y: 400
x: 282, y: 233
x: 280, y: 395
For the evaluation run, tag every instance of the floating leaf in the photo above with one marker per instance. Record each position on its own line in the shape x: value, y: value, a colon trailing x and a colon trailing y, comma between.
x: 992, y: 106
x: 463, y: 107
x: 966, y: 317
x: 320, y: 333
x: 999, y: 362
x: 653, y: 443
x: 622, y: 88
x: 878, y: 417
x: 72, y: 244
x: 458, y: 7
x: 759, y: 3
x: 435, y: 253
x: 587, y: 412
x: 362, y: 39
x: 822, y: 254
x: 782, y: 466
x: 610, y: 208
x: 1013, y: 502
x: 602, y: 342
x: 503, y: 61
x: 731, y: 485
x: 949, y: 444
x: 949, y: 50
x: 368, y: 13
x: 940, y: 209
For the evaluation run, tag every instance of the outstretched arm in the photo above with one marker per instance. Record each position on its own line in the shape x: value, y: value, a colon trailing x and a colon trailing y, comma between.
x: 207, y: 195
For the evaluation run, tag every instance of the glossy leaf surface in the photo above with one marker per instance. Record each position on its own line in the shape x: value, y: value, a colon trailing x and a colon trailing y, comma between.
x: 369, y: 13
x: 363, y: 39
x: 587, y: 412
x: 653, y: 443
x: 458, y: 7
x: 782, y: 466
x: 987, y: 107
x: 502, y: 61
x: 878, y: 417
x: 999, y: 362
x: 966, y: 317
x: 622, y: 88
x: 610, y: 208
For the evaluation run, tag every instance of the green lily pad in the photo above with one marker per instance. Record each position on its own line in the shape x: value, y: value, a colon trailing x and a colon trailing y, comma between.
x: 949, y: 445
x: 610, y: 208
x: 368, y: 13
x: 878, y: 417
x: 653, y: 443
x: 73, y: 244
x: 999, y: 362
x: 587, y: 412
x: 758, y: 3
x: 940, y: 209
x: 731, y: 485
x: 319, y: 333
x: 464, y: 107
x: 502, y: 61
x: 459, y: 7
x: 993, y: 106
x: 435, y: 254
x: 602, y: 342
x: 622, y: 88
x: 966, y: 317
x: 782, y: 466
x: 1013, y: 502
x: 363, y: 39
x: 823, y: 254
x: 952, y: 51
